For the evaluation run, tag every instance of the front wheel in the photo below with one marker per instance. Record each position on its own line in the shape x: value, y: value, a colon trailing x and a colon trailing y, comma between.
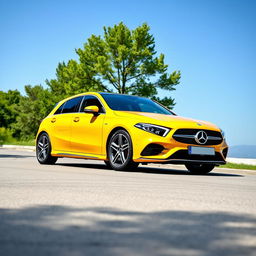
x: 43, y: 150
x: 199, y: 168
x: 120, y: 152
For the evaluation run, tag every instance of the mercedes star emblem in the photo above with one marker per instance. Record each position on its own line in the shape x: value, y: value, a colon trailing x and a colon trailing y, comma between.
x: 201, y: 137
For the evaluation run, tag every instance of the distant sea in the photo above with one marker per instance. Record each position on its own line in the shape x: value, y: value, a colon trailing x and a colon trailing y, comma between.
x: 242, y: 151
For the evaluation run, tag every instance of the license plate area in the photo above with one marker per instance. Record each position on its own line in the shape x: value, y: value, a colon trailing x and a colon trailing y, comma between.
x: 201, y: 151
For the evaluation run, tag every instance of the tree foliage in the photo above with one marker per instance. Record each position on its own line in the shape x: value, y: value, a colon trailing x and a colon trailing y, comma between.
x: 122, y: 61
x: 33, y: 107
x: 71, y: 79
x: 8, y: 107
x: 20, y: 115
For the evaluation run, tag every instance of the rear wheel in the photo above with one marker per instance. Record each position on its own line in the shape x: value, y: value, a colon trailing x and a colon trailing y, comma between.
x: 199, y: 168
x: 43, y: 150
x: 120, y: 152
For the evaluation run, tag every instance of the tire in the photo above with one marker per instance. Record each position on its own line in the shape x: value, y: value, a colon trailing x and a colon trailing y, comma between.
x: 199, y: 168
x: 43, y: 150
x: 120, y: 152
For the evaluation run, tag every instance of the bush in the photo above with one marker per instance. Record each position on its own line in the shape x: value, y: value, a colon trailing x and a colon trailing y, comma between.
x: 5, y: 135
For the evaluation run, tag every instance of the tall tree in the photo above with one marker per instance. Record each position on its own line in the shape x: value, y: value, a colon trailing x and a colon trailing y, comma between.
x: 122, y: 61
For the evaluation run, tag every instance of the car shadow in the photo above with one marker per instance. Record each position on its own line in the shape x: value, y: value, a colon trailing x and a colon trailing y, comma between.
x: 146, y: 169
x: 181, y: 172
x: 14, y: 156
x: 62, y: 230
x: 79, y: 165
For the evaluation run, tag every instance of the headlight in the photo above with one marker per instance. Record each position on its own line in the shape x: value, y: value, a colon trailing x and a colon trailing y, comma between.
x: 155, y: 129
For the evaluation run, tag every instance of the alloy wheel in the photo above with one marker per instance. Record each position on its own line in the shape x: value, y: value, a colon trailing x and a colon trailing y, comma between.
x: 119, y: 149
x: 43, y: 148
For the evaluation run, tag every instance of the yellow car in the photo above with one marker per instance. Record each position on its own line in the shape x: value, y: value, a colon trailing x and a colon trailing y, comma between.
x: 126, y: 130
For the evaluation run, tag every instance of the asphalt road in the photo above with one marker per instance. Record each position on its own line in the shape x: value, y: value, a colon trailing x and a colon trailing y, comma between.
x: 78, y: 207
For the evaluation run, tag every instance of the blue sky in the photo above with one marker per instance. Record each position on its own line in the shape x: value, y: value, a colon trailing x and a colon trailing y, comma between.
x: 212, y: 43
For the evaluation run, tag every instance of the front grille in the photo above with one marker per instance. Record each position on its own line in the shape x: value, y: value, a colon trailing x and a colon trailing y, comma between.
x: 188, y: 136
x: 184, y: 155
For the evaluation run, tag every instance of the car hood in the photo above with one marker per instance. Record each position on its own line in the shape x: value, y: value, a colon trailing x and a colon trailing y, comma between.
x: 170, y: 121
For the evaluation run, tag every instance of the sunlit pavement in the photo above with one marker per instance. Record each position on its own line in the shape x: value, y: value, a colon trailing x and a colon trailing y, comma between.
x: 79, y: 207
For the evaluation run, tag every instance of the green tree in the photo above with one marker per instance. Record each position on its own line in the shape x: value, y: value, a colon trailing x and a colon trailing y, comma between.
x: 71, y: 78
x: 122, y: 61
x: 8, y: 107
x: 33, y: 107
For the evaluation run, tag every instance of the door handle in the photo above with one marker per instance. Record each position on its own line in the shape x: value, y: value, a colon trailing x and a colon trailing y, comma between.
x: 53, y: 120
x: 76, y: 119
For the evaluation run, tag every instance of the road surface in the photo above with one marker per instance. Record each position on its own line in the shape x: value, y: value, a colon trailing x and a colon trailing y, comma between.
x: 79, y: 207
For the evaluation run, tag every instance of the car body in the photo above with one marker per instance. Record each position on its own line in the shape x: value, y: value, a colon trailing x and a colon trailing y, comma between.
x: 83, y: 125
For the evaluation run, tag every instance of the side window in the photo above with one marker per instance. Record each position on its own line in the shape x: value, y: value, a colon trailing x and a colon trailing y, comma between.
x: 91, y: 101
x: 72, y: 105
x: 59, y: 110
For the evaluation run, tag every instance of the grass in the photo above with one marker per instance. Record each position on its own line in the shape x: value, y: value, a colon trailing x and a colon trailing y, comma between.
x: 20, y: 143
x: 239, y: 166
x: 6, y: 138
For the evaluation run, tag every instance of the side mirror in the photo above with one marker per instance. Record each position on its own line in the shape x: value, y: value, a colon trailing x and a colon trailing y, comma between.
x: 91, y: 109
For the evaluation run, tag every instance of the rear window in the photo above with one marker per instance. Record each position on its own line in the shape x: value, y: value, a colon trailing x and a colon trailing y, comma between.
x: 70, y: 106
x: 59, y: 110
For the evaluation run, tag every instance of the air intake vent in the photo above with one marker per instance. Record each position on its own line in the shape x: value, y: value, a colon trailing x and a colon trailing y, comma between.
x: 152, y: 150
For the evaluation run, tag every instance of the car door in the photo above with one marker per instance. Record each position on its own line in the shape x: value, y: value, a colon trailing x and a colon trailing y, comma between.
x: 86, y: 132
x: 61, y: 124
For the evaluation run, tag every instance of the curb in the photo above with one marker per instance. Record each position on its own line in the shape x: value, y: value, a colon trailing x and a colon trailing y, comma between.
x: 18, y: 147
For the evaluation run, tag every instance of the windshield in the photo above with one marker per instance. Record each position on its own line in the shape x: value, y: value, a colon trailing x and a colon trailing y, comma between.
x: 122, y: 102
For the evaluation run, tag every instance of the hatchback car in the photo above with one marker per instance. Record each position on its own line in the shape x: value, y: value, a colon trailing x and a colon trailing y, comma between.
x: 126, y: 130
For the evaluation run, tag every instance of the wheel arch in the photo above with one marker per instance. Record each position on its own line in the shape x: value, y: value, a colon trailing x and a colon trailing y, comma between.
x: 38, y: 135
x: 44, y: 131
x: 111, y: 133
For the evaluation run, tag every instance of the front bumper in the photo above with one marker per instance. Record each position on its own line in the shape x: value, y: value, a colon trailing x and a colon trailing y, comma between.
x: 173, y: 151
x: 184, y: 160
